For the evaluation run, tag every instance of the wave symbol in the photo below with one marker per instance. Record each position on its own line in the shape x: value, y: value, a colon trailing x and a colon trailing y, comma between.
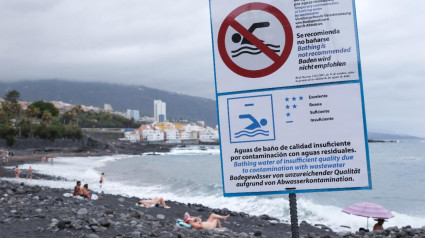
x: 253, y: 50
x: 251, y: 133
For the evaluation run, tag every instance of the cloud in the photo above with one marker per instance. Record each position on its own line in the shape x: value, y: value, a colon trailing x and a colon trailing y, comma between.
x: 167, y: 45
x: 153, y: 43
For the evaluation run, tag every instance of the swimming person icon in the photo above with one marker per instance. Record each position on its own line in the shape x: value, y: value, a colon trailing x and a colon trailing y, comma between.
x: 254, y: 121
x: 236, y: 38
x: 251, y: 49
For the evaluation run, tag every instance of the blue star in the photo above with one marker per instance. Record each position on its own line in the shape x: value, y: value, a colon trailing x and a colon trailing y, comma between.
x: 288, y: 114
x: 287, y: 99
x: 294, y: 106
x: 301, y: 98
x: 288, y: 107
x: 294, y: 99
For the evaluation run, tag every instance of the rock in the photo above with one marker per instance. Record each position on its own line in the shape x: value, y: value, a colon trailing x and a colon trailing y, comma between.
x: 61, y: 225
x: 121, y: 199
x: 99, y: 228
x: 9, y: 192
x: 160, y: 216
x: 93, y: 222
x: 54, y: 222
x: 135, y: 214
x: 92, y: 236
x: 257, y: 233
x: 38, y: 210
x: 135, y: 234
x: 166, y: 234
x: 82, y: 212
x: 108, y: 212
x: 36, y: 198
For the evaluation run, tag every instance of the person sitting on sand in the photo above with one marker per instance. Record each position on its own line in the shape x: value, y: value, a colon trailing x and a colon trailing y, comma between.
x: 154, y: 201
x: 16, y: 172
x: 77, y: 189
x: 85, y: 192
x: 29, y: 173
x: 212, y: 222
x: 378, y: 226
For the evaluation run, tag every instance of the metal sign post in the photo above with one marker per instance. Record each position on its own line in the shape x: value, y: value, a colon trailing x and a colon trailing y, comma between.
x: 294, y: 215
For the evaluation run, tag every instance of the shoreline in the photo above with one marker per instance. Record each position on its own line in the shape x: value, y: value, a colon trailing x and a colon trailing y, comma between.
x: 238, y: 224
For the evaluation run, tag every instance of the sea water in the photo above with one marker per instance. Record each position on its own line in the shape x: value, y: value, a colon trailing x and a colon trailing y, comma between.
x: 193, y: 175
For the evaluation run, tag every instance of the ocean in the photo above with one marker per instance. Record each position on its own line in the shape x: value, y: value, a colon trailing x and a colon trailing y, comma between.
x: 193, y: 175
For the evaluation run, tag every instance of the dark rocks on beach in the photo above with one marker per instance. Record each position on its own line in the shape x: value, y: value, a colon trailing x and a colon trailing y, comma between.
x: 44, y: 212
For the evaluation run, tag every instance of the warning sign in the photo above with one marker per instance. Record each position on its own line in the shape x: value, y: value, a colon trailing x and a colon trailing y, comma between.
x: 289, y: 96
x: 248, y: 42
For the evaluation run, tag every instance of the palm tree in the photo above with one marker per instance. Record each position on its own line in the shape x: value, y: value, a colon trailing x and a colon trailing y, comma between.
x: 46, y: 116
x: 31, y: 112
x: 77, y: 109
x: 69, y: 115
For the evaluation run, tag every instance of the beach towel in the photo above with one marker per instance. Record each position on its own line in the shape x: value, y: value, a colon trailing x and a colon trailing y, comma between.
x: 181, y: 223
x: 67, y: 195
x: 141, y: 205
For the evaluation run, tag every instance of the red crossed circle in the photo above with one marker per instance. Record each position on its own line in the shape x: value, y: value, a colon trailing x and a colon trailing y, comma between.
x: 278, y: 60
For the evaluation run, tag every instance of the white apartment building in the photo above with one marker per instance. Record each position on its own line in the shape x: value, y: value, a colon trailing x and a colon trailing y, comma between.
x: 208, y: 135
x: 107, y: 107
x: 132, y: 136
x: 171, y: 134
x: 135, y: 114
x: 159, y: 111
x: 155, y: 135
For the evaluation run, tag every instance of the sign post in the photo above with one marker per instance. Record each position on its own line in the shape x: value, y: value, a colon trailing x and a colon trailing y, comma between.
x: 289, y: 97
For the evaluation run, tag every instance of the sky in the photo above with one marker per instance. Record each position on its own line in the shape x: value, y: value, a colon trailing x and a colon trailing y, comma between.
x: 166, y: 44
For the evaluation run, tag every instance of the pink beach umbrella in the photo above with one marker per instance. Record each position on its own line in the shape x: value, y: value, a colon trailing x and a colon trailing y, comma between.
x: 369, y: 210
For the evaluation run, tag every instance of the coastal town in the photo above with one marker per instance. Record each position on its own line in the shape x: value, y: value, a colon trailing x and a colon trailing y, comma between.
x: 143, y: 128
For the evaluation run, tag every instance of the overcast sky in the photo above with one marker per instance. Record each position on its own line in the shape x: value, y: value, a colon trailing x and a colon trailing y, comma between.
x: 166, y: 44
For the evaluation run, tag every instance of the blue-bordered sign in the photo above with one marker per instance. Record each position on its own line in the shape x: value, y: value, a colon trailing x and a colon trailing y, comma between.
x: 289, y: 97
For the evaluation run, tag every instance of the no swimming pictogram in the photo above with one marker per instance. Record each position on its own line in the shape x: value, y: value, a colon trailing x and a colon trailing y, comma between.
x: 254, y: 45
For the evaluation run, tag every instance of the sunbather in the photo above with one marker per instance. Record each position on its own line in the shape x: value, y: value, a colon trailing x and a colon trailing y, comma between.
x: 154, y: 201
x: 212, y: 222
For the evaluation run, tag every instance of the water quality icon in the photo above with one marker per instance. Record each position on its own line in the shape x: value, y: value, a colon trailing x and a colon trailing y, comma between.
x: 251, y: 119
x: 291, y: 106
x: 246, y: 47
x: 254, y: 129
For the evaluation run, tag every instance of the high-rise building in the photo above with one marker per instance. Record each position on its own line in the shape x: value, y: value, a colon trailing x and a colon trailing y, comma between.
x: 107, y: 107
x: 135, y: 114
x: 159, y: 111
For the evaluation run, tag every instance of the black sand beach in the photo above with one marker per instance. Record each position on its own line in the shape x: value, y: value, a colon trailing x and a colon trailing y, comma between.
x: 43, y: 212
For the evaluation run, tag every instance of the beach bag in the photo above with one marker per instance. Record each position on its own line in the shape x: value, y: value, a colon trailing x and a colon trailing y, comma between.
x: 181, y: 223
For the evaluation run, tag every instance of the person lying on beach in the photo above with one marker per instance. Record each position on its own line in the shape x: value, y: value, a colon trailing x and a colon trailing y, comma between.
x: 212, y: 222
x: 153, y: 202
x: 77, y: 189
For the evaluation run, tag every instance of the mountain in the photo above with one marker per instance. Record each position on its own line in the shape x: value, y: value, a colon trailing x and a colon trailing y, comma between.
x: 384, y: 136
x: 121, y: 97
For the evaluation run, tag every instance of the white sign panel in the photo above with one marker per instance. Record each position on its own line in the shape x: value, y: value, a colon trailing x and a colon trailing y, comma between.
x: 293, y: 139
x: 289, y: 93
x: 268, y: 44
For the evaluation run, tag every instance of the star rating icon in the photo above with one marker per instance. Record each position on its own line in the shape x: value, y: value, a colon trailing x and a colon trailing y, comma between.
x: 291, y: 105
